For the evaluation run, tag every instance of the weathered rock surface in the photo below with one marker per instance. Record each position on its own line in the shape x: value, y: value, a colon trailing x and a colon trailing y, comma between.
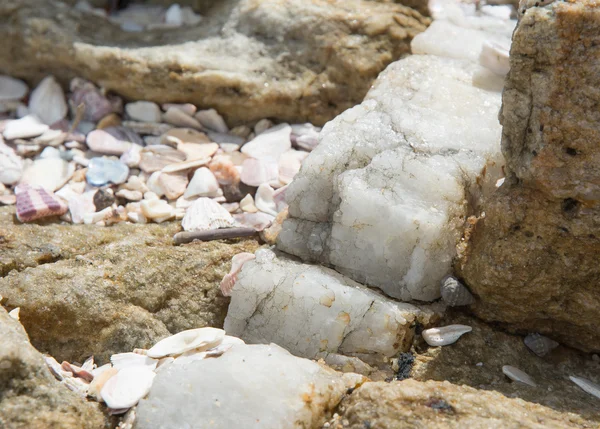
x: 309, y: 309
x: 532, y: 260
x: 96, y: 290
x: 438, y: 405
x: 30, y: 397
x: 258, y: 386
x: 384, y: 196
x: 476, y: 360
x: 294, y: 61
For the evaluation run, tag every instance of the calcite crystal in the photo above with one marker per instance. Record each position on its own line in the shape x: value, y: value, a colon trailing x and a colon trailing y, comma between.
x: 533, y: 259
x: 310, y: 309
x: 250, y: 386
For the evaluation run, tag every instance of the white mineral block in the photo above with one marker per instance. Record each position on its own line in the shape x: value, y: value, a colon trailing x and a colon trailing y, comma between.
x: 384, y: 195
x: 250, y: 386
x: 309, y: 309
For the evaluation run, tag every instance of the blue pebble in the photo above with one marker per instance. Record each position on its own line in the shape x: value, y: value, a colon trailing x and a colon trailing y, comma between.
x: 103, y: 170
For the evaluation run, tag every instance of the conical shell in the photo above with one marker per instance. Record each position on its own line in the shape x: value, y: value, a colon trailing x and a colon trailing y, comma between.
x: 205, y: 214
x: 47, y: 101
x: 127, y: 387
x: 454, y: 293
x: 445, y: 335
x: 539, y: 344
x: 587, y: 385
x: 516, y: 374
x: 201, y: 339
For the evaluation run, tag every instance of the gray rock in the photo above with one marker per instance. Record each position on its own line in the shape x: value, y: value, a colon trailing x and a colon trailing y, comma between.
x: 31, y: 397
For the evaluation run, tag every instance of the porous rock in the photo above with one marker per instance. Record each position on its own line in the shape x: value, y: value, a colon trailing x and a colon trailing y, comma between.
x: 85, y: 290
x: 259, y: 386
x: 295, y: 61
x: 532, y: 260
x: 31, y: 397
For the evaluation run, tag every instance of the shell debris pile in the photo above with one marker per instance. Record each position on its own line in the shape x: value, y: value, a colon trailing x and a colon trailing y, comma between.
x: 128, y: 378
x: 156, y: 163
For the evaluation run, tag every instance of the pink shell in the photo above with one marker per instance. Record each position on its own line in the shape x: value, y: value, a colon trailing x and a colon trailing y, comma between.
x: 35, y: 203
x: 237, y: 262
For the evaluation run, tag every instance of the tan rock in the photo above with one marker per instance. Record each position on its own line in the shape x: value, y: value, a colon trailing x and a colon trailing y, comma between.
x: 321, y: 56
x: 532, y: 260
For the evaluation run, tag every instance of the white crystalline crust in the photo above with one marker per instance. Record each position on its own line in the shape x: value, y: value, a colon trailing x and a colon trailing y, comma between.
x: 310, y: 309
x: 382, y: 198
x: 222, y: 393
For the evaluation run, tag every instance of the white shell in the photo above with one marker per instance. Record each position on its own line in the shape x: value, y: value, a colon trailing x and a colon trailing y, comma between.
x: 205, y: 214
x: 200, y: 338
x: 49, y: 173
x: 26, y: 127
x: 203, y: 184
x: 191, y: 356
x: 264, y: 200
x: 145, y: 111
x: 289, y: 165
x: 237, y: 262
x: 445, y: 335
x: 255, y: 172
x: 212, y: 120
x: 271, y: 143
x: 187, y: 108
x: 156, y: 209
x: 11, y: 165
x: 540, y: 344
x: 259, y: 220
x: 177, y: 117
x: 124, y: 360
x: 14, y: 313
x: 454, y: 293
x: 127, y: 387
x: 227, y: 343
x: 516, y: 374
x: 247, y: 204
x: 47, y: 101
x: 11, y: 88
x: 495, y: 58
x: 588, y: 386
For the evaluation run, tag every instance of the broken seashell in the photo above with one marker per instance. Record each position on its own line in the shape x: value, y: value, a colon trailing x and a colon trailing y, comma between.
x: 185, y: 165
x: 175, y: 116
x: 540, y: 344
x: 495, y: 57
x: 127, y: 387
x: 14, y: 313
x: 264, y: 200
x: 191, y: 356
x: 157, y: 209
x: 587, y: 385
x: 257, y: 221
x: 224, y: 170
x: 77, y: 385
x: 77, y: 371
x: 198, y: 150
x: 255, y: 172
x: 211, y: 119
x: 445, y: 335
x: 26, y: 127
x: 35, y: 203
x: 144, y: 111
x: 177, y: 136
x: 200, y: 339
x: 454, y: 293
x: 11, y: 88
x: 157, y: 157
x: 289, y: 165
x: 47, y: 101
x: 174, y: 184
x: 516, y: 374
x: 271, y: 143
x: 56, y: 369
x: 227, y: 343
x: 237, y: 262
x: 203, y: 184
x: 148, y: 128
x: 247, y: 204
x: 262, y: 126
x: 187, y: 108
x: 11, y: 165
x: 97, y: 105
x: 125, y: 360
x: 101, y: 141
x: 205, y: 214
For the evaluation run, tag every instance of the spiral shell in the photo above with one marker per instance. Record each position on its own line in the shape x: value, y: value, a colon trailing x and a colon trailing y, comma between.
x: 539, y: 344
x: 454, y: 293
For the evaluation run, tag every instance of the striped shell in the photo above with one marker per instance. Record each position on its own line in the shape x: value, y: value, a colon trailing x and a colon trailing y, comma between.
x: 588, y: 386
x: 516, y: 374
x: 454, y: 293
x: 539, y: 344
x: 205, y: 214
x: 35, y: 203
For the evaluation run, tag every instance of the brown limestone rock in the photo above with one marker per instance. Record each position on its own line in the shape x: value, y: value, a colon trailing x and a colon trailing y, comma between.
x: 30, y: 397
x: 532, y: 260
x: 86, y: 290
x: 293, y: 61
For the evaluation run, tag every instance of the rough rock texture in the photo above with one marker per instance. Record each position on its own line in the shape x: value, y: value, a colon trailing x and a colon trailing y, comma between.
x: 295, y: 61
x: 384, y: 196
x: 442, y: 405
x: 250, y: 386
x: 87, y: 290
x: 476, y: 360
x: 309, y: 309
x: 533, y: 259
x: 30, y: 397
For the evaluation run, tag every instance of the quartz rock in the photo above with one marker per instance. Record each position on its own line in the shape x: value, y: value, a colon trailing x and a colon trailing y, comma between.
x: 259, y: 386
x: 273, y: 295
x: 384, y: 195
x: 532, y: 259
